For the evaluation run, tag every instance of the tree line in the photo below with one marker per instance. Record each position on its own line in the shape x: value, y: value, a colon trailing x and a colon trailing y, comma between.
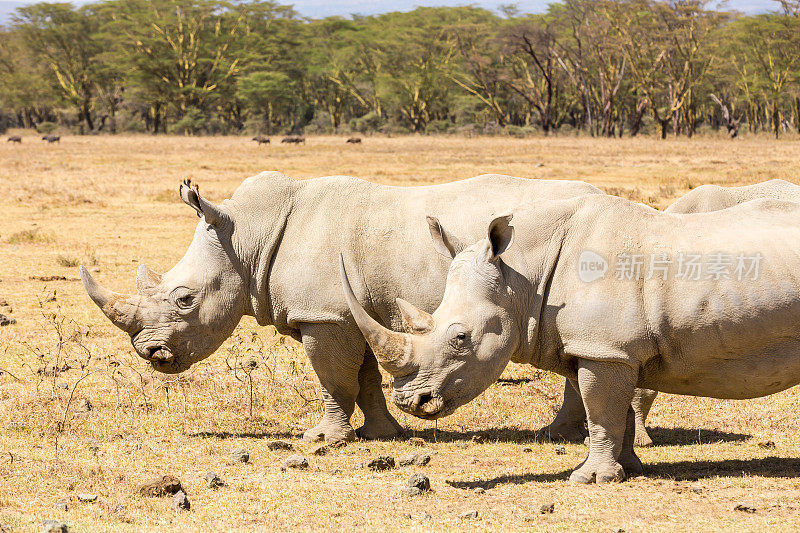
x: 601, y: 67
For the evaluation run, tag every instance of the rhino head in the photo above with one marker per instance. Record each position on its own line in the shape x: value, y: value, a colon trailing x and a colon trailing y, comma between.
x: 444, y: 360
x: 183, y: 316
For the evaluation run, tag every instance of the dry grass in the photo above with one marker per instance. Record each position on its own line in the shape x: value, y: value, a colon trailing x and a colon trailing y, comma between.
x: 104, y: 200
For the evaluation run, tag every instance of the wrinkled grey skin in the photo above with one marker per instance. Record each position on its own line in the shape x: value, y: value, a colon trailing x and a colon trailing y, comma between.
x: 270, y: 252
x: 569, y: 423
x: 721, y: 338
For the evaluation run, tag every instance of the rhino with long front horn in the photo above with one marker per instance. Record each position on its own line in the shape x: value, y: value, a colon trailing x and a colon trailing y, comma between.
x: 613, y: 295
x: 270, y: 252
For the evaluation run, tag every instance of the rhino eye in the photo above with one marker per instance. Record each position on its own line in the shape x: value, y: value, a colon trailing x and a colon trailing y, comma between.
x: 459, y: 339
x: 184, y: 302
x: 183, y: 298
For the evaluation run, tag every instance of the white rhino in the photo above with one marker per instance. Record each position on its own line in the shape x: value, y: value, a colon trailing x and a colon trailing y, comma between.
x: 719, y: 333
x: 571, y: 417
x: 270, y: 252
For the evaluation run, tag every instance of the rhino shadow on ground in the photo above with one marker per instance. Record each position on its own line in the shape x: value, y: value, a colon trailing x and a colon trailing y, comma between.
x: 513, y: 479
x: 788, y: 467
x: 245, y: 435
x: 770, y: 467
x: 500, y: 434
x: 687, y: 436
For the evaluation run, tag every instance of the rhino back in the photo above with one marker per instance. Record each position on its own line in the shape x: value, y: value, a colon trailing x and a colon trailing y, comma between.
x: 713, y: 197
x: 383, y: 234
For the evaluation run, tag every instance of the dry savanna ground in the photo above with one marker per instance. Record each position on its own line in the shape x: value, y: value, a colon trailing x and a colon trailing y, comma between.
x: 110, y: 203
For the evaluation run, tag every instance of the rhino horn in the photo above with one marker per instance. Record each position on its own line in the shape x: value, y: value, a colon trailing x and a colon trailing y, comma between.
x: 146, y: 279
x: 392, y: 349
x: 121, y: 309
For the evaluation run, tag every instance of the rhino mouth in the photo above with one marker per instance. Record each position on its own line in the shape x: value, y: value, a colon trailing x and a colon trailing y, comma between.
x: 426, y: 404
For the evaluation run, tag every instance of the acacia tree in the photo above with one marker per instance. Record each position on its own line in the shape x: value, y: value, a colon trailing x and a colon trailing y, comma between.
x: 64, y: 38
x: 768, y: 44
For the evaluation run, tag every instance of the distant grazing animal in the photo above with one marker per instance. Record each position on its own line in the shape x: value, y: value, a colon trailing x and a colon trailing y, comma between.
x: 270, y: 252
x: 354, y: 140
x: 52, y: 139
x: 260, y: 139
x: 569, y: 422
x: 294, y: 139
x: 555, y: 291
x: 14, y: 139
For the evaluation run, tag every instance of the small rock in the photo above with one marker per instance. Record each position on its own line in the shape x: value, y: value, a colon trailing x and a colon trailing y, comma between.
x: 54, y: 526
x: 363, y: 449
x: 416, y: 441
x: 180, y: 502
x: 83, y: 406
x: 560, y: 450
x: 383, y: 462
x: 7, y: 321
x: 240, y: 455
x: 162, y: 486
x: 63, y: 385
x: 251, y: 364
x: 92, y: 444
x: 463, y: 445
x: 469, y: 515
x: 547, y: 508
x: 473, y: 460
x: 336, y: 471
x: 744, y: 507
x: 766, y: 444
x: 417, y: 458
x: 527, y: 450
x: 280, y: 445
x: 322, y: 449
x: 424, y: 516
x: 417, y: 484
x: 87, y: 498
x: 213, y: 480
x: 61, y: 505
x: 479, y: 490
x: 16, y: 426
x: 296, y: 461
x: 697, y: 490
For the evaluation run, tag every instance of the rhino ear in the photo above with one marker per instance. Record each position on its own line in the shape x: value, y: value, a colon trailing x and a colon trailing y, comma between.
x: 445, y: 243
x: 190, y: 194
x: 500, y: 235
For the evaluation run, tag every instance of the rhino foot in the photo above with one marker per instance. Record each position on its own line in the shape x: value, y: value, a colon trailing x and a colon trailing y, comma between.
x: 386, y: 429
x: 599, y: 473
x: 330, y: 433
x: 642, y: 437
x: 562, y: 432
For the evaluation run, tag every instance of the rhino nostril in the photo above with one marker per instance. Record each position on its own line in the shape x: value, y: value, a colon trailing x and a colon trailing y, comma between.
x: 421, y: 399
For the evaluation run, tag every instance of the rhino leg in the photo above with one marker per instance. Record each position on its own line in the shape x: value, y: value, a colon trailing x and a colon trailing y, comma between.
x: 642, y: 402
x: 336, y: 358
x: 569, y: 423
x: 378, y: 423
x: 627, y: 457
x: 607, y: 390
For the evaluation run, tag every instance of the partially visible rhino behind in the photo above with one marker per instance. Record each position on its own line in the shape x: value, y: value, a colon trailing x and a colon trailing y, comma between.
x: 270, y: 252
x: 569, y: 423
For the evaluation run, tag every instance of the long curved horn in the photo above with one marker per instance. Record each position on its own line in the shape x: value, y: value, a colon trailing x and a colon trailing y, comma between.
x: 121, y: 309
x: 391, y: 348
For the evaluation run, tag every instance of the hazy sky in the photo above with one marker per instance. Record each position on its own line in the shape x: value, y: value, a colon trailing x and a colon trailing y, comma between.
x: 325, y: 8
